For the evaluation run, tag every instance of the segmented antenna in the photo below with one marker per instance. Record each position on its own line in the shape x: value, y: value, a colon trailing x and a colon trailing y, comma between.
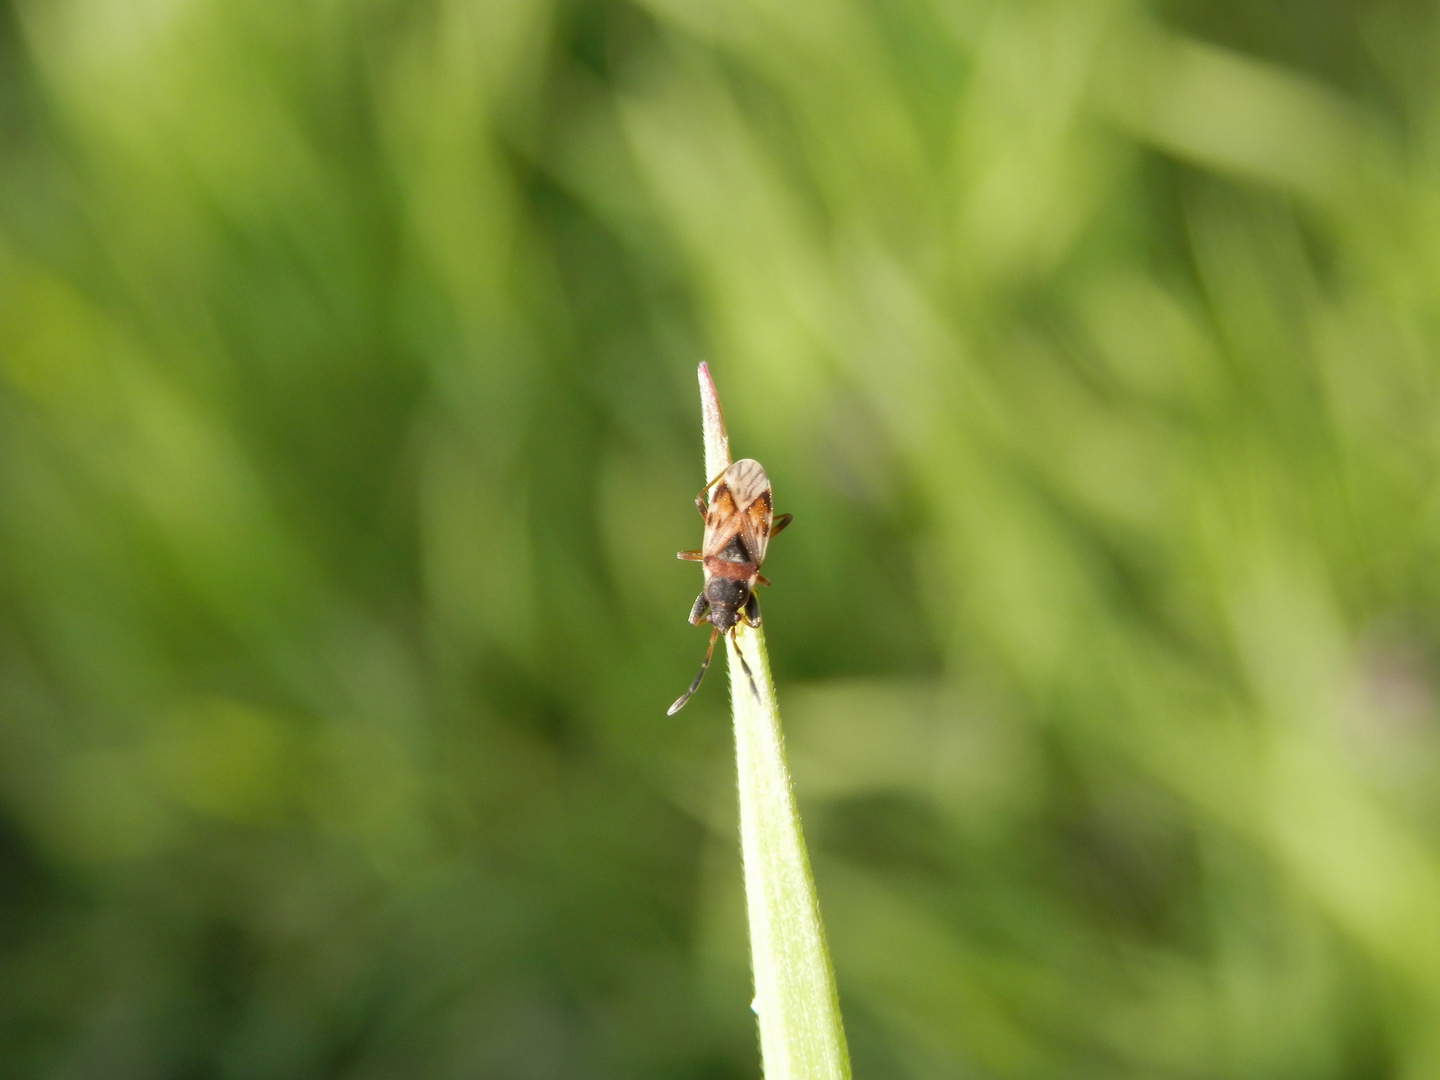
x: 704, y: 664
x: 680, y: 701
x: 745, y: 667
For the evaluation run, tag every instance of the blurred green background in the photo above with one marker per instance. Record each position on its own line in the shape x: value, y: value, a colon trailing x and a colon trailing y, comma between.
x: 348, y: 426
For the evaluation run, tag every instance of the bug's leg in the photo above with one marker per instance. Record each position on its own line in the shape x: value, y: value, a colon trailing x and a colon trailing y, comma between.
x: 761, y: 579
x: 691, y: 556
x: 780, y: 523
x: 752, y: 610
x: 700, y: 499
x: 680, y: 701
x: 699, y: 610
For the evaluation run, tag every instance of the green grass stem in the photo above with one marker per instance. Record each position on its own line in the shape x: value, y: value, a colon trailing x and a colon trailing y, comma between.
x: 801, y: 1034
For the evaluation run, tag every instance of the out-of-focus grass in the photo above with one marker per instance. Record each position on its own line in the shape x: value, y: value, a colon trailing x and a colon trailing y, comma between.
x: 346, y: 434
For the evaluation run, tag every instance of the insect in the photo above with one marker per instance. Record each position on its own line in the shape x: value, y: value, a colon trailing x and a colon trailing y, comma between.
x: 739, y: 523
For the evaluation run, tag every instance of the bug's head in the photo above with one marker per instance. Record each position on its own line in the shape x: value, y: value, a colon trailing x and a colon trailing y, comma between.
x: 726, y: 596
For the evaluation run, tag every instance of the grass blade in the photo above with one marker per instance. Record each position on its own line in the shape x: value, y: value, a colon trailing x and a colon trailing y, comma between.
x: 801, y: 1034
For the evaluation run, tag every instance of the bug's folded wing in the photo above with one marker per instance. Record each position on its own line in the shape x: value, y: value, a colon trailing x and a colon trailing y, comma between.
x: 755, y: 526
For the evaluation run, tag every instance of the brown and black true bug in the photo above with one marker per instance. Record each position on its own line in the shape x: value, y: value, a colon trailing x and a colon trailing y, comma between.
x: 739, y: 523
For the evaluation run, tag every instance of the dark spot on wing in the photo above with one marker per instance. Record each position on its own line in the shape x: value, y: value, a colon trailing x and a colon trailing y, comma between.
x: 734, y: 550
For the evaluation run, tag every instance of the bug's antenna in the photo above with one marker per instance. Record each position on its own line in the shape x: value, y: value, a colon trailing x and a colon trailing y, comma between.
x: 680, y: 701
x: 746, y: 668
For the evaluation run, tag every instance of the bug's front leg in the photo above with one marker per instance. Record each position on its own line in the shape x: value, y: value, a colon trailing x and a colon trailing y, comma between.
x: 752, y: 610
x: 699, y: 610
x: 691, y: 556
